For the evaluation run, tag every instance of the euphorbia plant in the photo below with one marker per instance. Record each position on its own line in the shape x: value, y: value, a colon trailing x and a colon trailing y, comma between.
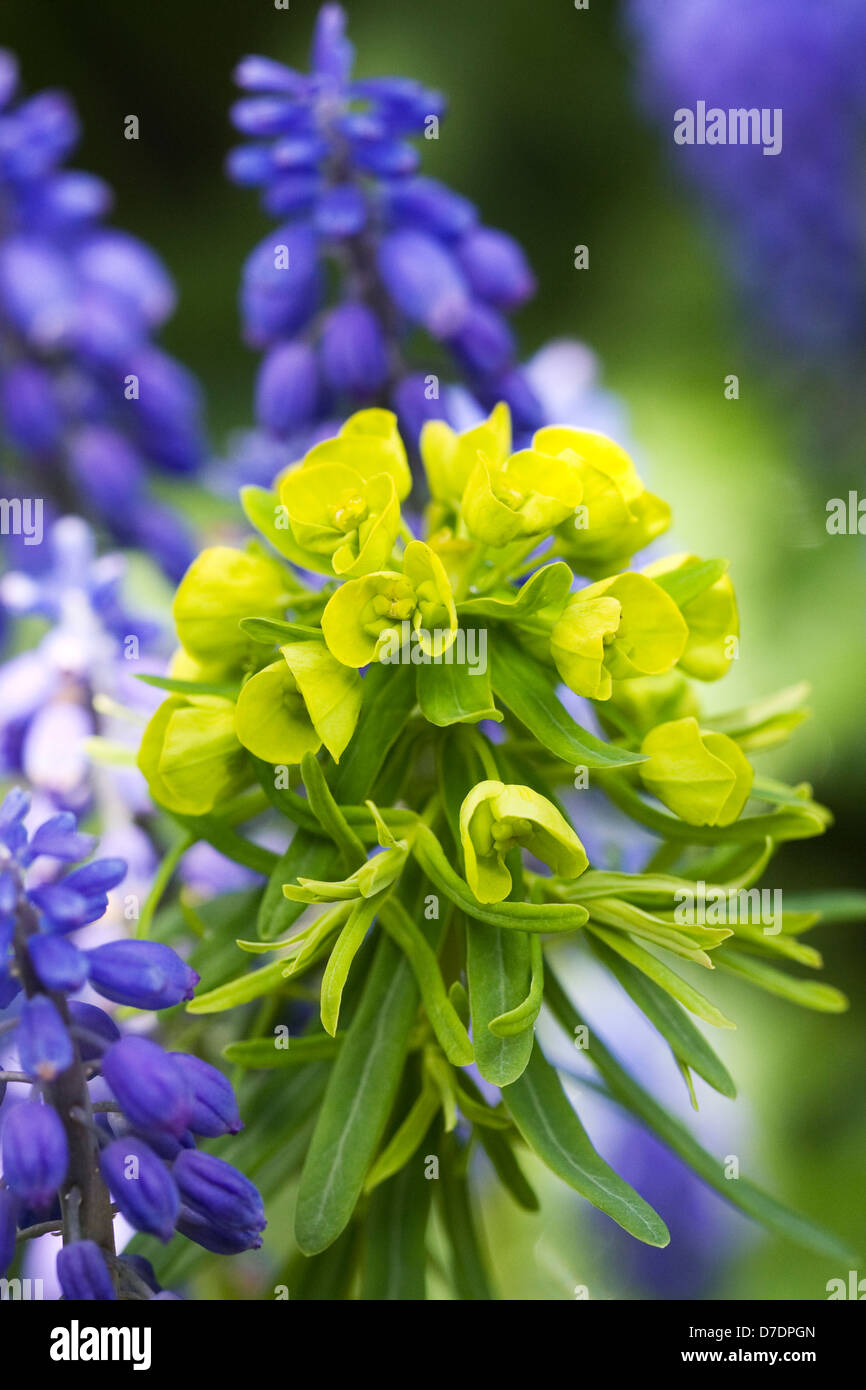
x: 431, y: 792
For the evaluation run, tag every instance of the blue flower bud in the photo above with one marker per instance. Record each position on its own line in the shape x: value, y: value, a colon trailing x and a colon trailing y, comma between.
x: 341, y: 211
x: 287, y: 389
x: 97, y: 877
x: 44, y: 1046
x: 167, y: 1146
x: 148, y: 1085
x: 220, y: 1240
x: 8, y: 893
x: 131, y: 273
x: 92, y: 1020
x: 107, y: 469
x: 35, y: 1152
x: 484, y: 342
x: 143, y: 974
x: 141, y: 1185
x: 430, y: 206
x: 215, y: 1109
x: 354, y: 356
x: 217, y: 1192
x: 8, y: 1227
x: 60, y: 838
x: 280, y: 289
x: 58, y: 964
x: 83, y: 1273
x: 425, y: 281
x: 64, y: 909
x: 496, y: 267
x: 30, y: 410
x: 256, y: 74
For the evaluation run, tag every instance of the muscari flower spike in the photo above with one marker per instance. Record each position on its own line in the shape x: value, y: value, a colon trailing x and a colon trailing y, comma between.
x: 85, y: 393
x: 160, y: 1101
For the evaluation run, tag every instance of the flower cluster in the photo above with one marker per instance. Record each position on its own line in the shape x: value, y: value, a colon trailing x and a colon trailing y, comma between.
x: 87, y: 400
x: 420, y: 281
x: 421, y: 690
x: 108, y: 1116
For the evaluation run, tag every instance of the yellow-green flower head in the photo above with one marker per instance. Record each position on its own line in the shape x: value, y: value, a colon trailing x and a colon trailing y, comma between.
x: 221, y: 586
x: 712, y: 620
x: 617, y: 629
x: 647, y: 701
x: 343, y: 524
x: 617, y: 515
x: 528, y: 494
x: 190, y: 754
x: 496, y: 818
x: 704, y: 778
x: 365, y: 615
x: 298, y: 703
x: 449, y: 458
x: 370, y: 443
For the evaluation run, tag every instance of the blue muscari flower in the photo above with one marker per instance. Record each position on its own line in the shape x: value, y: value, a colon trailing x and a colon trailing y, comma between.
x: 83, y: 1273
x: 162, y: 1099
x: 335, y: 163
x: 141, y: 1185
x: 797, y: 241
x: 85, y: 395
x: 35, y: 1153
x: 148, y: 1085
x: 217, y: 1192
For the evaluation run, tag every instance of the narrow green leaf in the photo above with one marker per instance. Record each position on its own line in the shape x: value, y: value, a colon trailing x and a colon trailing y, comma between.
x: 524, y: 1014
x: 274, y: 632
x: 526, y: 688
x: 452, y: 1036
x: 498, y: 967
x: 834, y: 905
x: 469, y: 1263
x: 787, y: 824
x: 686, y: 1042
x: 228, y: 689
x: 662, y: 975
x: 809, y: 994
x: 547, y: 1121
x: 267, y: 1054
x: 361, y: 1091
x: 395, y: 1237
x: 235, y: 847
x: 455, y: 693
x: 406, y: 1139
x: 345, y: 948
x: 743, y: 1193
x: 500, y: 1151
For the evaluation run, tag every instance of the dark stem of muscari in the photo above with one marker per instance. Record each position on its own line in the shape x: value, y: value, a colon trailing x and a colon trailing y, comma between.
x: 85, y: 1205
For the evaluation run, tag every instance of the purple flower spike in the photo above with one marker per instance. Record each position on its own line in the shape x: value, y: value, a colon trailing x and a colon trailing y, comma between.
x: 35, y: 1153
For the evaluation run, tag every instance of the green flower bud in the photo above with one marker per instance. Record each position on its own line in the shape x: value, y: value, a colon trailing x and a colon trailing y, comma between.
x: 704, y: 778
x: 190, y: 754
x: 619, y: 628
x: 712, y: 620
x: 527, y: 495
x: 496, y: 818
x: 617, y: 515
x: 366, y: 615
x: 450, y: 458
x: 220, y: 587
x: 295, y: 705
x: 341, y: 522
x: 369, y: 443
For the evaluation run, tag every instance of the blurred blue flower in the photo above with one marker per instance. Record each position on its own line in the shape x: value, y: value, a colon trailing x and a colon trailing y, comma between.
x: 88, y: 402
x: 794, y: 221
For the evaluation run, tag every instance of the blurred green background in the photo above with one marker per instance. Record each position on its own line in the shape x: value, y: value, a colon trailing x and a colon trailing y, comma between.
x: 545, y: 135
